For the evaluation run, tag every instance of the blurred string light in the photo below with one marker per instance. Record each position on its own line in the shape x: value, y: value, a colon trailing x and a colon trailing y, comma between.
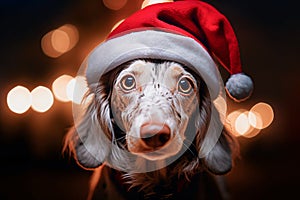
x: 242, y: 124
x: 42, y: 99
x: 264, y: 115
x: 19, y: 99
x: 59, y: 41
x: 59, y: 88
x: 65, y: 88
x: 114, y: 4
x: 230, y: 121
x: 151, y: 2
x: 250, y: 123
x: 77, y: 89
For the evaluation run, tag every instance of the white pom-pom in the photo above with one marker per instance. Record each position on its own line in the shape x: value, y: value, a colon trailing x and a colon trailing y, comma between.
x: 239, y: 87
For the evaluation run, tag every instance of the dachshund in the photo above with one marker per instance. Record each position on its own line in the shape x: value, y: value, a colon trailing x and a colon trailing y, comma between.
x: 143, y: 132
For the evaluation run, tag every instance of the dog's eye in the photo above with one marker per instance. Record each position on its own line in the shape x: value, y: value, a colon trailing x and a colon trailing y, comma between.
x: 185, y: 86
x: 128, y: 82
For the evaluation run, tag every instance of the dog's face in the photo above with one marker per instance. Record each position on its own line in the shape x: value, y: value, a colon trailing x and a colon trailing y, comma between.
x: 152, y: 103
x: 151, y: 109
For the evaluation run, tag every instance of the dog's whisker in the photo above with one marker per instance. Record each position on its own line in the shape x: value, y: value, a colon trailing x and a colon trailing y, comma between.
x: 120, y: 138
x: 188, y: 148
x: 192, y: 146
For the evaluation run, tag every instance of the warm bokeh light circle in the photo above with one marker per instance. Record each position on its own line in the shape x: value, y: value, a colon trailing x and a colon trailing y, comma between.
x: 266, y: 113
x: 221, y: 105
x: 19, y: 99
x: 59, y: 88
x: 230, y: 121
x: 255, y: 119
x: 42, y: 99
x: 47, y: 47
x: 114, y: 4
x: 59, y: 41
x: 73, y: 34
x: 77, y: 89
x: 239, y: 123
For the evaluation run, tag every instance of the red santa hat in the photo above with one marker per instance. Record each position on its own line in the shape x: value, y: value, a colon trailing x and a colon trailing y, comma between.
x: 190, y: 32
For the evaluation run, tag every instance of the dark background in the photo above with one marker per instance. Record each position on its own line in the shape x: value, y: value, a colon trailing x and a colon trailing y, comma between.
x: 32, y: 166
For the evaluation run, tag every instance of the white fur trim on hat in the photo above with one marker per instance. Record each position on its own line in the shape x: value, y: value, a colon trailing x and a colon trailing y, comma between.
x: 153, y: 44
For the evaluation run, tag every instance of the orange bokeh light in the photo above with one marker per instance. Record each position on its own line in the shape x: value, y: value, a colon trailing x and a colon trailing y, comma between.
x: 19, y: 99
x: 42, y: 99
x: 47, y: 47
x: 230, y: 121
x: 59, y: 41
x: 77, y: 89
x: 255, y: 119
x: 72, y: 32
x: 239, y: 124
x: 252, y: 120
x: 221, y: 105
x: 115, y: 4
x: 59, y: 88
x: 265, y: 112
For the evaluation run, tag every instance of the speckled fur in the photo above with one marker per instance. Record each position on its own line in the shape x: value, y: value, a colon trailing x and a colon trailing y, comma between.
x: 107, y: 110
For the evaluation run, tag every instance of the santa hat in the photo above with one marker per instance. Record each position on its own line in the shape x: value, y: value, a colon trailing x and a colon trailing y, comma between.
x: 189, y: 32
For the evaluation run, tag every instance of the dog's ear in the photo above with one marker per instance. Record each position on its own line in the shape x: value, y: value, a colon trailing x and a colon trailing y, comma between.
x: 87, y: 140
x: 217, y: 148
x: 219, y: 160
x: 90, y: 139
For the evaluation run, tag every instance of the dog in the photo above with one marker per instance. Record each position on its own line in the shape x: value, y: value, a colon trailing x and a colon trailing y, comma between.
x: 155, y: 111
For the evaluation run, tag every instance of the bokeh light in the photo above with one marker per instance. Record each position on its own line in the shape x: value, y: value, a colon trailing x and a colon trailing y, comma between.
x: 47, y: 47
x: 242, y: 124
x: 151, y: 2
x: 255, y: 119
x: 73, y: 34
x: 266, y: 113
x: 59, y: 41
x: 59, y: 88
x: 42, y: 99
x: 221, y: 105
x: 117, y: 24
x: 77, y: 89
x: 230, y: 121
x: 115, y: 4
x: 19, y: 99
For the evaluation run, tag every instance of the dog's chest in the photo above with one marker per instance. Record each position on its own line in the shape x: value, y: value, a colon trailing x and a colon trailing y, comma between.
x: 111, y: 187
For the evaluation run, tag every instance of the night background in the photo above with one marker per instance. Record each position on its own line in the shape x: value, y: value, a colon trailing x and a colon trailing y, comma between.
x: 32, y: 165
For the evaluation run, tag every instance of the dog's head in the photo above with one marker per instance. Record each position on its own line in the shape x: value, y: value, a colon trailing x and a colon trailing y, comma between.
x: 152, y: 103
x: 152, y: 109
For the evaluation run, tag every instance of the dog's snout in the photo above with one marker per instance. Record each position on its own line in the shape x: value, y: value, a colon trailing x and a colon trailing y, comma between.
x: 155, y: 135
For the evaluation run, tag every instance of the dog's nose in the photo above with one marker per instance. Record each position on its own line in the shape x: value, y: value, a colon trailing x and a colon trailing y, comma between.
x: 155, y: 135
